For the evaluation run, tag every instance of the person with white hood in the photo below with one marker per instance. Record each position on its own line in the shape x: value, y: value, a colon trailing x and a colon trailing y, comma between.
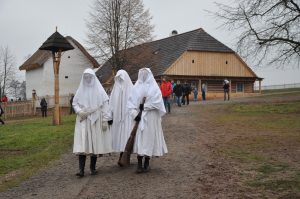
x: 91, y: 136
x: 122, y: 121
x: 149, y: 140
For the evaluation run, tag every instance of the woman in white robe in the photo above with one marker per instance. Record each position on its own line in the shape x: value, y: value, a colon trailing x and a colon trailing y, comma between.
x: 91, y: 136
x: 122, y: 120
x: 149, y: 138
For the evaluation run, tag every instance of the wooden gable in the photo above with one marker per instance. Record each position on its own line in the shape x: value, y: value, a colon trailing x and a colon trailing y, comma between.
x: 200, y: 63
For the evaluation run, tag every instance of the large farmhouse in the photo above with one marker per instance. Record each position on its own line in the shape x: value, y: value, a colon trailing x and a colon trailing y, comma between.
x: 194, y: 57
x: 40, y: 75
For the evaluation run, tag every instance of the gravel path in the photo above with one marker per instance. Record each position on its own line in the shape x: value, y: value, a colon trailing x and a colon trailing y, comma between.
x: 191, y: 169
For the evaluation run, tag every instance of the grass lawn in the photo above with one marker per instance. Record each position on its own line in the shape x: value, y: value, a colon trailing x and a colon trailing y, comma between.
x: 278, y: 91
x: 29, y: 145
x: 265, y: 144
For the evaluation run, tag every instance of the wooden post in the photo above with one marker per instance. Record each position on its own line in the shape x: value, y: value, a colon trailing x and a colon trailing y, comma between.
x: 34, y: 101
x: 229, y: 89
x: 199, y: 88
x: 56, y: 111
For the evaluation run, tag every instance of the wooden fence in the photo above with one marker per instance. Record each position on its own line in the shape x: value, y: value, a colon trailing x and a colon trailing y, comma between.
x: 30, y: 107
x: 17, y: 109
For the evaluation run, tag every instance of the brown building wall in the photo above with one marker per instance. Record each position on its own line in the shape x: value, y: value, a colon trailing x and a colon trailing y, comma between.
x: 195, y: 63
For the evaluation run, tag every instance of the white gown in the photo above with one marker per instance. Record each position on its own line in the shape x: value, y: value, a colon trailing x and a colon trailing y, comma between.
x: 90, y: 138
x: 122, y: 121
x: 91, y: 100
x: 149, y: 139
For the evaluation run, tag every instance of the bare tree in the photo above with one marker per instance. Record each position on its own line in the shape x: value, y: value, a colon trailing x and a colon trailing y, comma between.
x: 116, y: 25
x: 270, y: 30
x: 15, y: 87
x: 22, y: 91
x: 7, y: 69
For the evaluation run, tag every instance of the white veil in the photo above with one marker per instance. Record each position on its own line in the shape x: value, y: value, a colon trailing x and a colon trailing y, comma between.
x: 119, y: 95
x: 146, y: 86
x: 90, y: 95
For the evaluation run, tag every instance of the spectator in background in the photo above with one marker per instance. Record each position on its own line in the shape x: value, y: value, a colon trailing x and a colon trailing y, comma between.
x: 226, y: 89
x: 166, y: 91
x: 203, y: 91
x: 195, y: 91
x: 173, y: 94
x: 178, y: 90
x: 71, y: 106
x: 186, y: 92
x: 4, y: 98
x: 1, y: 113
x: 44, y: 107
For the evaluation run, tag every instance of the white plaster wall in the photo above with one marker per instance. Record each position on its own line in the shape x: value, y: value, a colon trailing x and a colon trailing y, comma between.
x: 33, y: 81
x: 72, y: 65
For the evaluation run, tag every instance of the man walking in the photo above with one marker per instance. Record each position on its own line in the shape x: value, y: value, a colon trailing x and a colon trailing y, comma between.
x: 226, y: 87
x: 44, y: 106
x: 186, y: 92
x: 178, y: 90
x: 166, y: 90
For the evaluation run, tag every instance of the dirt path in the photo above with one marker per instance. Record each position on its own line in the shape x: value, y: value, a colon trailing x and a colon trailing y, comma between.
x: 191, y: 169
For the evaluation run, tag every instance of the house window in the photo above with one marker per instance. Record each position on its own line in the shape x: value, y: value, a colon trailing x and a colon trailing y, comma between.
x: 226, y: 62
x: 66, y: 77
x: 239, y: 87
x: 193, y: 61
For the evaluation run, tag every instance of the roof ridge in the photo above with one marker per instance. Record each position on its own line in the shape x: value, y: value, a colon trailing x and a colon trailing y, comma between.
x: 196, y: 30
x: 150, y: 42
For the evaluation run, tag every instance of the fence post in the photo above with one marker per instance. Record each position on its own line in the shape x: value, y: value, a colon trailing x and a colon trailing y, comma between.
x: 33, y: 101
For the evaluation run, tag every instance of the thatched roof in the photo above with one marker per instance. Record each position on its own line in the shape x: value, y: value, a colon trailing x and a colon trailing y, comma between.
x: 41, y: 56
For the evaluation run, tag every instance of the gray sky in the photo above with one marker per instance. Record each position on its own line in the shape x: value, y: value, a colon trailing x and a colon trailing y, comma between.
x: 26, y: 24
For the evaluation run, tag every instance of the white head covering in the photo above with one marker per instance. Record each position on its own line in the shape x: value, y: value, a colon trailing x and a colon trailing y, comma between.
x: 90, y: 94
x: 146, y: 86
x: 119, y: 95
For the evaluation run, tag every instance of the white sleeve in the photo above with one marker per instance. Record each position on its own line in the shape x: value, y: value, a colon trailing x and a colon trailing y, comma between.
x: 76, y: 107
x: 107, y: 114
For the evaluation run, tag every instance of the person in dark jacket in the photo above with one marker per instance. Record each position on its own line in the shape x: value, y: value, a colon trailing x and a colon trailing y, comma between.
x: 1, y: 113
x: 44, y: 107
x: 226, y: 89
x: 178, y: 90
x: 72, y: 111
x: 186, y: 92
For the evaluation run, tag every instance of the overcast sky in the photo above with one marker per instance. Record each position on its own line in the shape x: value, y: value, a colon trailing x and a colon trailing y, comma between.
x: 26, y: 24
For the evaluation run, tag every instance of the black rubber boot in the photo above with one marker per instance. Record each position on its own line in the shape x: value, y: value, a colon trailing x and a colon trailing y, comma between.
x: 93, y: 165
x: 120, y: 159
x: 146, y: 164
x: 82, y: 159
x: 140, y: 164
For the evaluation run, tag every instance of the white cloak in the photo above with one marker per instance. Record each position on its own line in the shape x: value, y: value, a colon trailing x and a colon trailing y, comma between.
x: 122, y: 121
x: 149, y: 138
x: 90, y: 137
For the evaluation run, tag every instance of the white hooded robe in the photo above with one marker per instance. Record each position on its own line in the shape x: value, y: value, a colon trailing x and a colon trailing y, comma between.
x: 149, y: 139
x: 90, y: 137
x: 122, y: 120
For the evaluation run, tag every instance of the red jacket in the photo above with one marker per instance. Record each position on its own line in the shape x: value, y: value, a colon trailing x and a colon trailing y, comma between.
x: 166, y: 88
